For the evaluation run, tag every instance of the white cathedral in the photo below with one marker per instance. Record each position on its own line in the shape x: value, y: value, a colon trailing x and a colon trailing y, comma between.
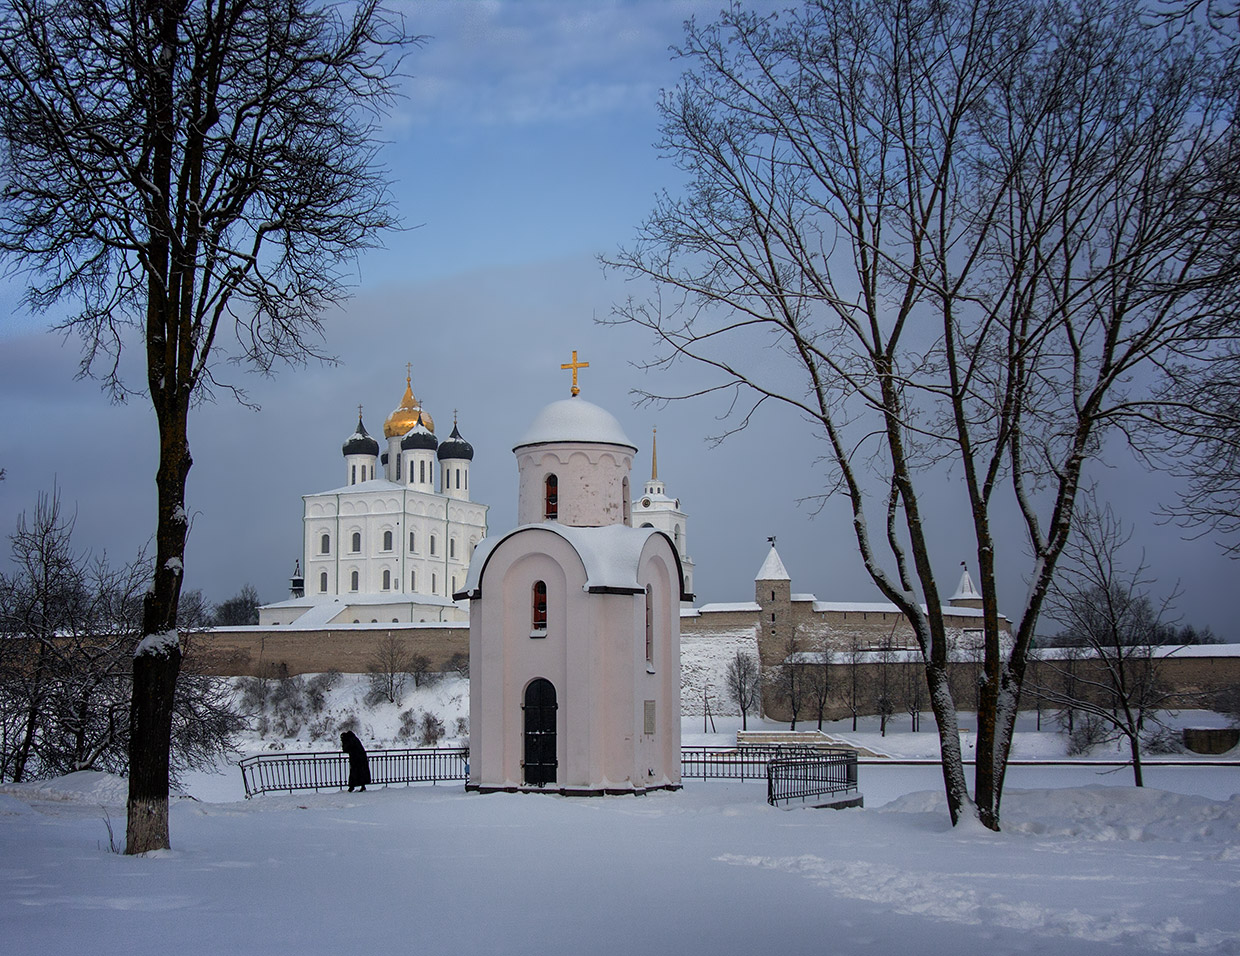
x: 393, y: 544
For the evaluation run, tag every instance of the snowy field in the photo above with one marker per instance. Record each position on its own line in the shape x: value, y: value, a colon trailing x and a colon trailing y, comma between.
x: 1086, y: 864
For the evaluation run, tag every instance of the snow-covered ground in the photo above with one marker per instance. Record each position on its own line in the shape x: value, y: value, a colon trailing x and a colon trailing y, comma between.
x: 1085, y: 864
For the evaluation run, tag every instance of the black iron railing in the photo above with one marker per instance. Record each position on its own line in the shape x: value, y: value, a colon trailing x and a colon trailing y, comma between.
x: 286, y: 772
x: 806, y: 777
x: 805, y: 770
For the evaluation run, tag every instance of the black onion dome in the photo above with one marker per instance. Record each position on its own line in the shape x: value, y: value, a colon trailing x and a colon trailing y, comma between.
x: 360, y: 442
x: 456, y: 447
x: 419, y: 436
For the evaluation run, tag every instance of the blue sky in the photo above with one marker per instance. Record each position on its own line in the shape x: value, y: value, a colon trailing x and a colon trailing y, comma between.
x: 521, y: 151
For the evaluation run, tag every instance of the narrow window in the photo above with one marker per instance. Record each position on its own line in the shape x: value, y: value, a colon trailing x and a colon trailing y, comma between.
x: 387, y: 541
x: 422, y: 472
x: 353, y: 583
x: 353, y: 474
x: 322, y: 582
x: 650, y: 624
x: 413, y: 580
x: 467, y: 479
x: 539, y: 615
x: 625, y: 504
x: 432, y: 544
x: 434, y: 582
x: 411, y: 542
x: 325, y: 544
x: 398, y: 467
x: 357, y: 541
x: 387, y: 580
x: 551, y: 499
x: 452, y: 547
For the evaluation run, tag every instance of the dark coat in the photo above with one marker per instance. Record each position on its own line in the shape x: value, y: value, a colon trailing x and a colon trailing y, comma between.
x: 359, y: 769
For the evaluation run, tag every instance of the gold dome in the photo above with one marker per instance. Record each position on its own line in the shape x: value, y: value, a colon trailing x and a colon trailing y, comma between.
x: 406, y: 414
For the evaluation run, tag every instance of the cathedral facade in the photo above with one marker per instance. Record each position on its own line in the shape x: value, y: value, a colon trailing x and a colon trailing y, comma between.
x: 393, y: 543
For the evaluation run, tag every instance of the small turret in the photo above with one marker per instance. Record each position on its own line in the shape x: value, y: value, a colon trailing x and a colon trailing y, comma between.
x: 417, y: 455
x: 360, y: 453
x: 455, y: 454
x: 297, y: 583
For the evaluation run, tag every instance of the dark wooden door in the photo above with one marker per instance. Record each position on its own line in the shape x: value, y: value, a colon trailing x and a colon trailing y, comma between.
x: 540, y: 707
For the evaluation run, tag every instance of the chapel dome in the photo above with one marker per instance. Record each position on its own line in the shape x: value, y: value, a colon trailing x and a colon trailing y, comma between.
x: 406, y: 415
x: 418, y: 437
x: 456, y: 447
x: 575, y: 420
x: 360, y: 442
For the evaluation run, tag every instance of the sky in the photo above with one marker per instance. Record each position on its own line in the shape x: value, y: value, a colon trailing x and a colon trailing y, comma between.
x: 521, y: 151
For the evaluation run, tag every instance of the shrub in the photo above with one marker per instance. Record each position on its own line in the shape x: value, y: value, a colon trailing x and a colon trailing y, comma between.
x: 432, y: 729
x: 1088, y: 732
x: 408, y: 729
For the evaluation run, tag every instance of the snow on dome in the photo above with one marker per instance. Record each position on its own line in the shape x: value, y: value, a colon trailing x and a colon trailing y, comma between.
x: 575, y: 420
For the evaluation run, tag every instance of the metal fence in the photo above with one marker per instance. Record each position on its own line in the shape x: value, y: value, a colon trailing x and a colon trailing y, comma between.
x: 802, y: 769
x: 806, y: 777
x: 286, y: 772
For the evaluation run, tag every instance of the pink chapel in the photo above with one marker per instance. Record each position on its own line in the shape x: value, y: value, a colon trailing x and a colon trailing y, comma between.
x: 574, y: 623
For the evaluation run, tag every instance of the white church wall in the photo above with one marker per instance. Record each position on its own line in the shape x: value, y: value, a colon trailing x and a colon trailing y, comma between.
x: 590, y: 478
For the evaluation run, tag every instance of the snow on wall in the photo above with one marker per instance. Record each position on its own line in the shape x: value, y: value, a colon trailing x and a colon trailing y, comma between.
x: 703, y: 665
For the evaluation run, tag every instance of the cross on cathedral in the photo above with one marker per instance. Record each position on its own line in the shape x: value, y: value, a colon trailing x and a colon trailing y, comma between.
x: 574, y: 365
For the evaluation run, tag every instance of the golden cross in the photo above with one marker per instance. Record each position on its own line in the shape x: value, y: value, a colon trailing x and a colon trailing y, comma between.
x: 408, y: 373
x: 574, y: 365
x: 359, y: 413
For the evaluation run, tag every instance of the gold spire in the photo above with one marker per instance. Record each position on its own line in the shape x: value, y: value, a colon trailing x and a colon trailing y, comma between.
x: 574, y: 365
x: 654, y: 456
x: 406, y: 415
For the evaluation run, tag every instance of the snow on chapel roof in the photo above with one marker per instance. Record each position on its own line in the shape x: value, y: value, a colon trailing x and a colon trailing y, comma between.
x: 575, y: 420
x: 772, y: 568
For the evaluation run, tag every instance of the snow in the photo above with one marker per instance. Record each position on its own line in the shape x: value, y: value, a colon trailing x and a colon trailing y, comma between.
x: 772, y: 568
x: 575, y: 420
x: 163, y: 643
x: 1085, y: 864
x: 610, y: 554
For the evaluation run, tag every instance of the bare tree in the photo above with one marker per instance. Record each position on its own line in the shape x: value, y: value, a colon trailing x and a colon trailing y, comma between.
x: 818, y: 677
x: 1106, y: 611
x: 193, y: 173
x: 742, y: 683
x: 69, y: 623
x: 969, y: 233
x: 239, y: 610
x: 854, y: 651
x: 788, y: 679
x: 389, y: 669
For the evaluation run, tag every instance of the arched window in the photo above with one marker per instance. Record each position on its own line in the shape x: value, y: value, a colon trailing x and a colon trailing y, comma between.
x: 649, y: 624
x: 322, y: 582
x: 413, y: 580
x: 411, y: 542
x: 387, y: 541
x: 551, y: 497
x: 357, y: 541
x: 325, y: 544
x: 434, y: 583
x: 353, y: 474
x: 422, y: 472
x: 452, y: 547
x: 432, y: 544
x: 387, y: 580
x: 353, y: 583
x: 538, y: 615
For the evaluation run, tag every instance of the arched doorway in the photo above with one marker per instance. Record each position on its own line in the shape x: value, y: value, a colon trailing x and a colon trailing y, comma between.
x: 540, y: 707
